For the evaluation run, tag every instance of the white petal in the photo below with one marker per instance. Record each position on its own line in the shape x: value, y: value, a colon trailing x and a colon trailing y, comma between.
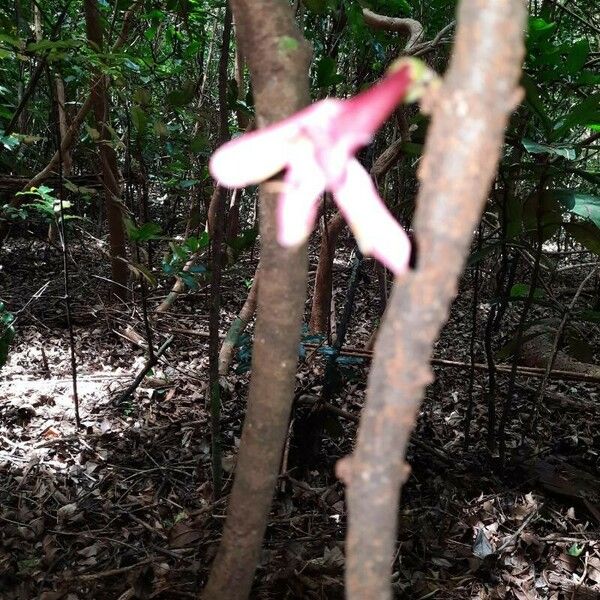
x: 254, y: 157
x: 377, y: 233
x: 297, y: 206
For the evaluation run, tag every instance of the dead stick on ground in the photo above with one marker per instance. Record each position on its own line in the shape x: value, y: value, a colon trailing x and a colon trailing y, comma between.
x: 140, y: 376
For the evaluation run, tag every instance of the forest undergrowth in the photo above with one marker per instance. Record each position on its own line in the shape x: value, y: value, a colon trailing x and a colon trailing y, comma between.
x: 126, y: 510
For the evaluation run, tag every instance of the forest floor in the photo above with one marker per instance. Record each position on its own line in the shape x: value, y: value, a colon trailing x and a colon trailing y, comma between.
x: 123, y: 509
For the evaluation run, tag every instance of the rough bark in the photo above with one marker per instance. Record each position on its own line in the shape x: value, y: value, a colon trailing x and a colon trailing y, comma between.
x: 278, y: 58
x: 109, y: 167
x: 469, y: 115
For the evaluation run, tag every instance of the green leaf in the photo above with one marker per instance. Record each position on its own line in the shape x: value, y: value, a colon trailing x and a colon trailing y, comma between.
x: 412, y: 148
x: 588, y: 78
x: 579, y: 203
x: 10, y: 142
x: 7, y: 333
x: 288, y: 44
x: 577, y: 56
x: 480, y: 255
x: 585, y: 114
x: 540, y: 29
x: 521, y: 291
x: 131, y: 65
x: 243, y: 241
x: 139, y: 118
x: 534, y: 148
x: 533, y: 99
x: 514, y: 217
x: 326, y: 74
x: 545, y: 208
x: 195, y: 244
x: 586, y: 233
x: 576, y: 550
x: 189, y: 280
x: 143, y: 233
x: 318, y: 7
x: 182, y: 96
x: 199, y: 143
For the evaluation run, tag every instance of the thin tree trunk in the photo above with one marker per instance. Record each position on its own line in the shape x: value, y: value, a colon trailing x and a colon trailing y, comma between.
x: 218, y: 234
x: 280, y: 83
x: 109, y: 167
x: 322, y: 292
x: 67, y: 161
x: 469, y: 114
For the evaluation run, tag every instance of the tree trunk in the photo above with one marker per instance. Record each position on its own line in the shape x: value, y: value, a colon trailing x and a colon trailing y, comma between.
x: 280, y: 83
x: 109, y: 168
x: 469, y: 114
x: 321, y: 303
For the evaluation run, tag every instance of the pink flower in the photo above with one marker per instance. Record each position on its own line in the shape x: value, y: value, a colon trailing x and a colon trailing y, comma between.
x: 317, y: 147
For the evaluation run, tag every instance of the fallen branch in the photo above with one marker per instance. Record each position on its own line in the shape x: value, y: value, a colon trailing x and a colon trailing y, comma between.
x: 441, y: 362
x: 152, y: 361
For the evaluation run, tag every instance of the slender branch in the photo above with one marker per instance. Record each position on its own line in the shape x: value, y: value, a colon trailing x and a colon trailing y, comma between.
x: 413, y: 28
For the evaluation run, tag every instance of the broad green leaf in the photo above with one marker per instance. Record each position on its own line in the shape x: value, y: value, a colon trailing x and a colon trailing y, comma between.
x: 592, y: 316
x: 584, y: 205
x: 514, y: 217
x: 540, y: 28
x: 288, y: 44
x: 585, y: 114
x: 318, y: 7
x: 412, y: 148
x: 534, y: 148
x: 244, y: 240
x: 587, y: 234
x: 7, y: 333
x: 199, y: 143
x: 588, y: 78
x: 577, y: 56
x: 545, y: 208
x: 182, y: 96
x: 480, y: 255
x: 576, y: 550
